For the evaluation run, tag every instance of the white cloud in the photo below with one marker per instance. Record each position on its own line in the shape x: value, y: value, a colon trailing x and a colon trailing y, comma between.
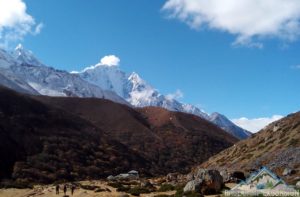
x: 15, y: 22
x: 38, y: 29
x: 249, y: 20
x: 255, y: 124
x: 110, y: 60
x: 178, y: 94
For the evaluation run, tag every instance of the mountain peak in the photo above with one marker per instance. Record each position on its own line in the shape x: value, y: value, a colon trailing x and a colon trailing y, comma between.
x: 227, y: 125
x: 19, y: 47
x: 20, y: 50
x: 25, y: 56
x: 134, y: 77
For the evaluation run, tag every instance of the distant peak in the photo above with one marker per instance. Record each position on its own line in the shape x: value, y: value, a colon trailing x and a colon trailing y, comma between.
x: 135, y: 77
x: 19, y: 47
x: 20, y: 50
x: 25, y: 56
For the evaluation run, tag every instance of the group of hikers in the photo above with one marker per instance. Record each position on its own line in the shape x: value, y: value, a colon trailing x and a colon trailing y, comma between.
x: 72, y: 187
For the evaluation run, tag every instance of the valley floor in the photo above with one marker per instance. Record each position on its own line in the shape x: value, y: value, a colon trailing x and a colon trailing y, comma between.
x: 49, y: 191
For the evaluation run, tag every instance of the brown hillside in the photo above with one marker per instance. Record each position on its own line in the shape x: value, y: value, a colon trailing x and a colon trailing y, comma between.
x: 277, y: 146
x: 39, y: 143
x: 172, y: 141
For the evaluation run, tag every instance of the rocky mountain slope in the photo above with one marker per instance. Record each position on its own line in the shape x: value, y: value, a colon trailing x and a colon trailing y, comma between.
x: 277, y: 146
x: 132, y: 88
x: 27, y: 74
x: 223, y: 122
x: 172, y: 141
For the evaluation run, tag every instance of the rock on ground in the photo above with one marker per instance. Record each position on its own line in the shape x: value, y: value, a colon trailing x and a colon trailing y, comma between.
x: 205, y: 181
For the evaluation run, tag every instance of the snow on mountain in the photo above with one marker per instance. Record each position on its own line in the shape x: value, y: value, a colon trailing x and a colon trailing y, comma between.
x: 14, y: 83
x: 229, y: 126
x: 25, y: 56
x: 8, y: 77
x: 139, y: 93
x: 36, y: 78
x: 6, y: 60
x: 22, y: 71
x: 132, y: 88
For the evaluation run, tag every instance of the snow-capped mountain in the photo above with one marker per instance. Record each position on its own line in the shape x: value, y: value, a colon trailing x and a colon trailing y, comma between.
x: 139, y: 93
x: 229, y: 126
x: 133, y: 88
x: 25, y: 56
x: 21, y: 71
x: 8, y: 77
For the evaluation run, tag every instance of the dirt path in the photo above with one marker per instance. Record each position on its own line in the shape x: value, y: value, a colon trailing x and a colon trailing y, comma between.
x: 49, y: 191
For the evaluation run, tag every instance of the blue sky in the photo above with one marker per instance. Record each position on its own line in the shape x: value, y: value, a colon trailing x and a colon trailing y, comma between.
x: 237, y: 70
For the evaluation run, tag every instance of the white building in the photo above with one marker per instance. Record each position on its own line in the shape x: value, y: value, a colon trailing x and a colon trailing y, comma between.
x: 263, y: 182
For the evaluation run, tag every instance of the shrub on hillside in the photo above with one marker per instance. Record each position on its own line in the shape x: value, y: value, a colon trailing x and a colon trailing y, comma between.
x: 90, y: 187
x: 166, y: 187
x: 115, y: 184
x: 136, y: 191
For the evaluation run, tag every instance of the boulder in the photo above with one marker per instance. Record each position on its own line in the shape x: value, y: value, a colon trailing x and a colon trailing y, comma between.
x: 237, y: 176
x: 287, y: 172
x: 110, y: 178
x: 192, y: 186
x: 225, y: 175
x: 134, y: 173
x: 126, y: 177
x: 190, y: 177
x: 210, y: 181
x: 298, y: 185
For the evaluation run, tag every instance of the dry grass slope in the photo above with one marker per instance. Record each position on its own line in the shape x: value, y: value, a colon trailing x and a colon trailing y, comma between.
x: 276, y: 146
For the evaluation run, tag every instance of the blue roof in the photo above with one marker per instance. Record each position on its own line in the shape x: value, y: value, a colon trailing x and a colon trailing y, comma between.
x: 263, y: 169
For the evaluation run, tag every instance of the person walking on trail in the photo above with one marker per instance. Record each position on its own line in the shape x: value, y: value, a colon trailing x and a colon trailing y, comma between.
x: 57, y: 189
x: 72, y: 189
x: 65, y: 189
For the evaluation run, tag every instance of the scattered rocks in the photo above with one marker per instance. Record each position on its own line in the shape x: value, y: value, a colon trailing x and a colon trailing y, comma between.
x: 189, y: 177
x: 298, y: 185
x: 110, y: 178
x: 192, y: 186
x: 146, y: 184
x: 225, y: 175
x: 134, y: 173
x: 287, y: 172
x: 131, y: 175
x: 172, y: 177
x: 177, y: 178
